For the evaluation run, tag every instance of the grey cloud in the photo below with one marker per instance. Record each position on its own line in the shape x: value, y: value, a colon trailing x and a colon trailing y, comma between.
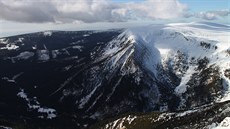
x: 212, y: 15
x: 221, y: 13
x: 89, y: 11
x: 101, y: 14
x: 206, y: 15
x: 62, y: 11
x: 159, y: 9
x: 28, y: 12
x: 38, y: 11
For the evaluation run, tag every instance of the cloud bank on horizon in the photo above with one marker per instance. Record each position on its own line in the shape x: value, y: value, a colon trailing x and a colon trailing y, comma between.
x: 90, y: 11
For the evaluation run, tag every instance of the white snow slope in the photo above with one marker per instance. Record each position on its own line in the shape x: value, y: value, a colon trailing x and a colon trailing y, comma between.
x: 194, y: 40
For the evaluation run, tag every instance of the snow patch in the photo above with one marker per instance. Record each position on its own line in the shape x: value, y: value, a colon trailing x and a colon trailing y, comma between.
x: 10, y: 47
x: 8, y: 80
x: 86, y: 35
x: 47, y: 33
x: 3, y: 41
x: 24, y: 55
x: 225, y: 124
x: 4, y: 127
x: 164, y: 51
x: 34, y: 47
x: 20, y: 40
x: 23, y: 95
x: 86, y: 98
x: 43, y: 55
x: 182, y: 88
x: 12, y: 80
x: 78, y: 47
x: 44, y: 46
x: 119, y: 123
x: 55, y: 53
x: 33, y: 104
x: 130, y: 119
x: 51, y: 113
x: 186, y: 113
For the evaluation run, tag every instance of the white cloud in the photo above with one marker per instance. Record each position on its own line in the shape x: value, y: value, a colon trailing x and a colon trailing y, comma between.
x: 90, y: 11
x: 158, y: 9
x: 212, y: 15
x: 27, y: 11
x: 206, y: 15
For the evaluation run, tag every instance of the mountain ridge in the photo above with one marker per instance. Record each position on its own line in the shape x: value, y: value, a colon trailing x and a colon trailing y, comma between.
x: 95, y: 75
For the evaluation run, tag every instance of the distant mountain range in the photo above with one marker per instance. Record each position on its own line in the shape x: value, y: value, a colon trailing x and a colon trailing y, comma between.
x: 157, y: 76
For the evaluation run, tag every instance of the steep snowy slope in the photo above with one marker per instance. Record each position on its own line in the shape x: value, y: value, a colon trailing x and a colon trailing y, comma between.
x: 189, y: 49
x: 192, y: 59
x: 85, y: 77
x: 187, y: 58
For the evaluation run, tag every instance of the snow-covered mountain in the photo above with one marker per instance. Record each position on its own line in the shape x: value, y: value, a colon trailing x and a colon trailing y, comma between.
x: 80, y: 78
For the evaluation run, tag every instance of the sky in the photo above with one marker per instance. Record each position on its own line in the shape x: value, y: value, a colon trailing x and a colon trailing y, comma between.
x: 24, y: 16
